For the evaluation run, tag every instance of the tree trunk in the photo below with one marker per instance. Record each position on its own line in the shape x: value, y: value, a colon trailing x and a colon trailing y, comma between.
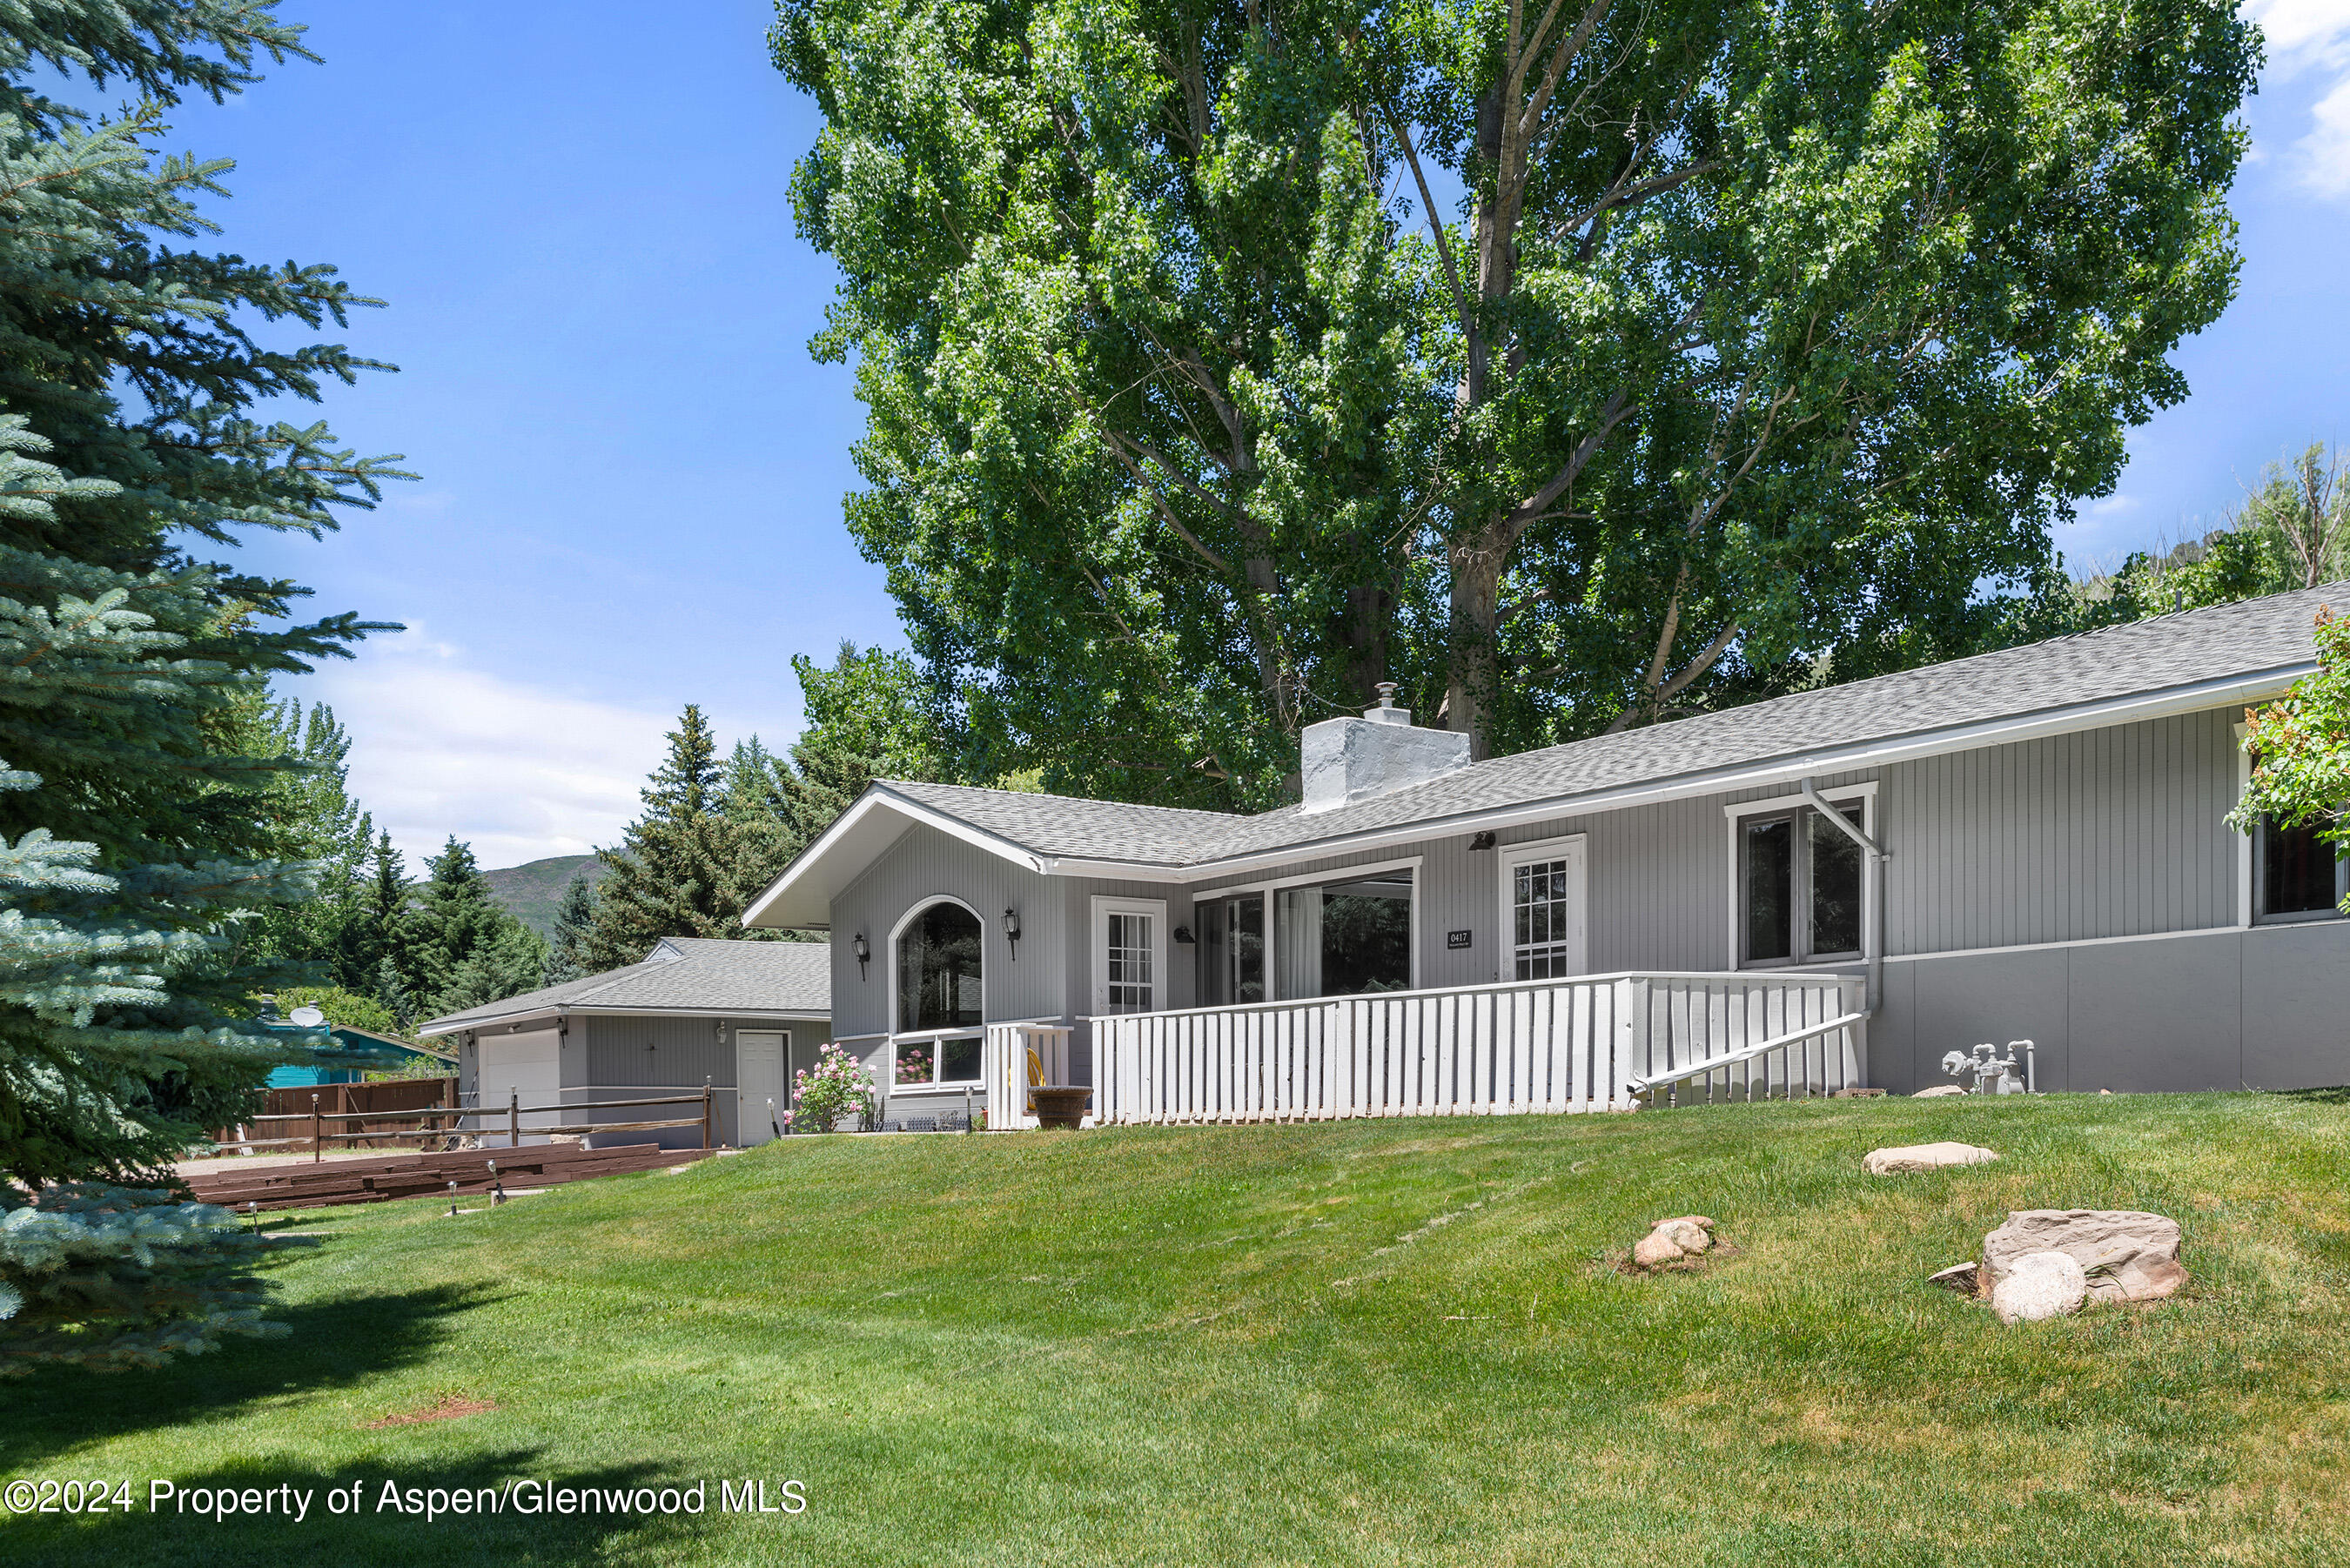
x: 1473, y: 678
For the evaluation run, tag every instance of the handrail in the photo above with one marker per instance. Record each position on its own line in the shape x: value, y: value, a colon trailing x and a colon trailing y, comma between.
x: 1648, y: 1081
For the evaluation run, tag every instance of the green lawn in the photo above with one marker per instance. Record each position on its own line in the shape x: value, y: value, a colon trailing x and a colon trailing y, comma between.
x: 1399, y: 1341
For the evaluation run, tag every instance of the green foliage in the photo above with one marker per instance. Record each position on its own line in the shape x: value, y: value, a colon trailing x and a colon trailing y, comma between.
x: 869, y: 716
x: 573, y: 918
x: 110, y: 1278
x: 466, y: 948
x: 149, y: 827
x: 835, y: 1088
x: 1758, y: 339
x: 344, y: 1009
x: 2294, y: 532
x: 391, y: 996
x: 696, y: 857
x: 310, y: 816
x: 2303, y: 744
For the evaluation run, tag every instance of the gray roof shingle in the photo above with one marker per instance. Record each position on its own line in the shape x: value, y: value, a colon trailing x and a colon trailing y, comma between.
x: 2141, y: 659
x: 699, y: 974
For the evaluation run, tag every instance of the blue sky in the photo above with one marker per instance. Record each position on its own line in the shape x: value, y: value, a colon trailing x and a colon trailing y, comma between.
x: 632, y: 471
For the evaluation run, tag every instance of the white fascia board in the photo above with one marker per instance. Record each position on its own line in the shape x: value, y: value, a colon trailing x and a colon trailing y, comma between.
x: 2131, y: 710
x: 845, y: 827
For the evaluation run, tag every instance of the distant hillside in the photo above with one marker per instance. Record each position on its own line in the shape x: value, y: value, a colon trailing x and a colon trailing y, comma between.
x: 534, y: 891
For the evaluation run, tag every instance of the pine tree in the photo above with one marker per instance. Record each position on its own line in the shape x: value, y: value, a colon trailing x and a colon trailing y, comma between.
x: 392, y: 993
x: 679, y: 871
x: 468, y: 950
x: 312, y: 817
x: 135, y: 833
x: 573, y: 918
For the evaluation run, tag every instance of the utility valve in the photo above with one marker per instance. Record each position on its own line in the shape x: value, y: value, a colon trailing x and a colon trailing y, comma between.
x: 1994, y: 1074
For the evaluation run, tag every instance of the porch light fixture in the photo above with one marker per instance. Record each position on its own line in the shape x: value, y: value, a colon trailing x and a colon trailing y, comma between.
x: 1483, y: 841
x: 1011, y: 931
x: 864, y: 950
x: 1183, y: 936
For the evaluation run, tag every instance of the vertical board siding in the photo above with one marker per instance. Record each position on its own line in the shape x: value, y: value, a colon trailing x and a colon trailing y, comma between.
x: 2119, y: 832
x: 923, y: 864
x: 684, y: 1051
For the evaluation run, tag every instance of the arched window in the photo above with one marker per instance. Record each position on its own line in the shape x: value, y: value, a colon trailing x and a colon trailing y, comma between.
x: 939, y: 997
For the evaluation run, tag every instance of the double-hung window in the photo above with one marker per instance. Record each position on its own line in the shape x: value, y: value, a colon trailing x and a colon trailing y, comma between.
x: 1799, y: 885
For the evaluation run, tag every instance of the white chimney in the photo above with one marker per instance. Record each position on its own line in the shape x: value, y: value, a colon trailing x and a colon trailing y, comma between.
x: 1343, y: 761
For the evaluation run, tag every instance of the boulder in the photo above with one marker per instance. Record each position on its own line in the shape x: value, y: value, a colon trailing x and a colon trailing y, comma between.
x: 1924, y: 1157
x: 2039, y: 1285
x: 1938, y: 1091
x: 2126, y: 1255
x: 1683, y: 1235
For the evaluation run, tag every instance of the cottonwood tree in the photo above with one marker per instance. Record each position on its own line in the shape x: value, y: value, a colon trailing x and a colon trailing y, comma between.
x: 1566, y: 363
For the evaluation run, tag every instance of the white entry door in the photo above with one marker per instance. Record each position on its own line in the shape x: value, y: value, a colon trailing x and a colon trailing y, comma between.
x: 1545, y: 920
x: 762, y: 1097
x: 1129, y: 943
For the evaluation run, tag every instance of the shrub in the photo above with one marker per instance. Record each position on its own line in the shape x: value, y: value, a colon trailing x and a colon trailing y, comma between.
x: 835, y: 1087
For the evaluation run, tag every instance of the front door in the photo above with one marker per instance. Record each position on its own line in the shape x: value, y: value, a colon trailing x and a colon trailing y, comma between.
x: 760, y: 1098
x: 1545, y: 928
x: 1129, y: 943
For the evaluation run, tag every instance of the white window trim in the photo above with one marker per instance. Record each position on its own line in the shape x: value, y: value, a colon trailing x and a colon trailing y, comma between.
x: 1735, y: 812
x: 915, y: 1036
x: 1514, y: 856
x: 1097, y: 940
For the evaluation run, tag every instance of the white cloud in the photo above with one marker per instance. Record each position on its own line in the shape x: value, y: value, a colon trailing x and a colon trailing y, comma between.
x: 519, y: 772
x: 2315, y: 35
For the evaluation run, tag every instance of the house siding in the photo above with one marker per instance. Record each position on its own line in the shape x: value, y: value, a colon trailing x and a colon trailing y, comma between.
x: 2081, y: 890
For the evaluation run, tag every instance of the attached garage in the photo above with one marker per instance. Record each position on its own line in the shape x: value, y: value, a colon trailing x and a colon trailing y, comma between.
x: 742, y: 1017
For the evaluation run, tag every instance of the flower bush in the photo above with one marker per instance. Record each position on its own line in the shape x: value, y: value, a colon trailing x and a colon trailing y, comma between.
x: 835, y: 1088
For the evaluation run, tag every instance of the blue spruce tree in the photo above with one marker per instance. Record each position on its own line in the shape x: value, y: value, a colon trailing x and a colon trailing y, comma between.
x: 136, y: 838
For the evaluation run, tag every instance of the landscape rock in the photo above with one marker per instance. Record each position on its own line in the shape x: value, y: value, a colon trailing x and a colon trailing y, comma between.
x: 1683, y: 1235
x: 1924, y: 1157
x: 2127, y: 1255
x: 2039, y: 1285
x: 1961, y: 1278
x: 1938, y: 1091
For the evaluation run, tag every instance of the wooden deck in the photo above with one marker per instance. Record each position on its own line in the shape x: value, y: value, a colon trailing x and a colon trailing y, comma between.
x: 305, y: 1185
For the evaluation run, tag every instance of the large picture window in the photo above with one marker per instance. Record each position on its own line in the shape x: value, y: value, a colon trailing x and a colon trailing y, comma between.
x: 1231, y: 948
x: 2296, y: 874
x: 1798, y: 887
x: 938, y: 997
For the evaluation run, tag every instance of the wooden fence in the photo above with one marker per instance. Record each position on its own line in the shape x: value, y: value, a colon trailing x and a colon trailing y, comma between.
x: 311, y: 1130
x: 1593, y: 1042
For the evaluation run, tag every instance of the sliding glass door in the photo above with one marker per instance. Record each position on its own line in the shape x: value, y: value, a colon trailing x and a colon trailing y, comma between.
x: 1343, y: 937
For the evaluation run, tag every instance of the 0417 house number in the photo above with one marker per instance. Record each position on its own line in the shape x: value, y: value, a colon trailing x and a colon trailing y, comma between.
x: 1456, y: 939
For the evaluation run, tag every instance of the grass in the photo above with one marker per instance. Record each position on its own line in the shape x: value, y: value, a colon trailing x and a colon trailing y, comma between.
x: 1379, y: 1343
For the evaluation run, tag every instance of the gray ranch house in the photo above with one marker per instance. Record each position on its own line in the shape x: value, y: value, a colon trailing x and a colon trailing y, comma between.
x: 1822, y: 892
x: 740, y: 1016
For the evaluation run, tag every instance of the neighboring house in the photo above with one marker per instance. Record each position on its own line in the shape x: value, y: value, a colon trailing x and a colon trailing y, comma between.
x: 740, y: 1016
x: 2057, y: 866
x: 354, y: 1053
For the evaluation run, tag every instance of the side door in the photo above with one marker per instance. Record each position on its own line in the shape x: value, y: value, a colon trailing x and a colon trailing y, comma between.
x: 762, y: 1095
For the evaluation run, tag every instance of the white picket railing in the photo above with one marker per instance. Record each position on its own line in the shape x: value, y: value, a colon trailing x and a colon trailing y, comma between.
x: 1008, y: 1045
x: 1593, y: 1042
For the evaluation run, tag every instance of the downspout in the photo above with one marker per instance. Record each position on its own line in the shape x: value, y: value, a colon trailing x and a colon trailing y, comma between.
x: 1876, y: 859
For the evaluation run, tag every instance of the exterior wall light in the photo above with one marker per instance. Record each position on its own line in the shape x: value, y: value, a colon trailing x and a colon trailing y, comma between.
x: 1011, y: 931
x: 1183, y: 936
x: 1483, y: 841
x: 864, y: 950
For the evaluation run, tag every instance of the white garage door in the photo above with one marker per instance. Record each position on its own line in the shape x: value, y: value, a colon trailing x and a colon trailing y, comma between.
x: 527, y: 1068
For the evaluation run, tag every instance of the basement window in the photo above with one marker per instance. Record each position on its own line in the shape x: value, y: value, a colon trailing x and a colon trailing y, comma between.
x: 1798, y: 887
